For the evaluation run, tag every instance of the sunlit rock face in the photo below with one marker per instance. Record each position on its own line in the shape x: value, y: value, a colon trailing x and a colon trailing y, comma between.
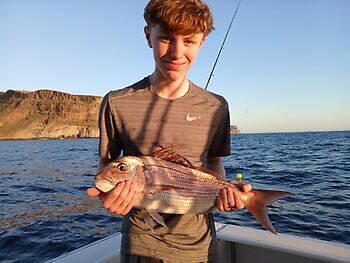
x: 48, y: 114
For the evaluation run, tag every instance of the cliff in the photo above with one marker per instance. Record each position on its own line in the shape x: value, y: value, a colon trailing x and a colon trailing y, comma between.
x: 47, y: 114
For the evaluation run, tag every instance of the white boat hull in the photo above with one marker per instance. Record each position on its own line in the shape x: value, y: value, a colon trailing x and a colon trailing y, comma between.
x: 236, y: 244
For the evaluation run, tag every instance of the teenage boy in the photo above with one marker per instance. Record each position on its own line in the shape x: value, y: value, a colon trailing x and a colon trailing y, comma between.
x: 167, y: 109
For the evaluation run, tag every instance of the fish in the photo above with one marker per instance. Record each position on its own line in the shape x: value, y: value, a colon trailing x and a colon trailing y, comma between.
x: 171, y: 184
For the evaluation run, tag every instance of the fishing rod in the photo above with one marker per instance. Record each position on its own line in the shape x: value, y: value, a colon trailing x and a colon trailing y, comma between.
x: 223, y: 43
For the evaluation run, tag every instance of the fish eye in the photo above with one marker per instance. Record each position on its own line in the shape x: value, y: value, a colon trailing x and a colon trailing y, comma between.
x: 122, y: 167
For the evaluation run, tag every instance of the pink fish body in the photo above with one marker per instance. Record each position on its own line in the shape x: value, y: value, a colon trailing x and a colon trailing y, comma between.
x: 172, y: 185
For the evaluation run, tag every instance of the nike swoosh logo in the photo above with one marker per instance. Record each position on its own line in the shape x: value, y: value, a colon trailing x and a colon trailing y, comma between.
x: 190, y: 118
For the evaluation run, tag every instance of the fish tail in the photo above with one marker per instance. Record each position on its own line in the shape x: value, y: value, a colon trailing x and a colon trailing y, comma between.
x: 257, y: 203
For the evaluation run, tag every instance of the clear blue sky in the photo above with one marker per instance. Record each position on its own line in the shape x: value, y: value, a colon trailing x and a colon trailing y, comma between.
x: 285, y: 65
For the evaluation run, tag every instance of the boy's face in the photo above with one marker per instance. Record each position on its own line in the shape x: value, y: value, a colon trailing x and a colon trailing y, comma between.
x: 173, y: 53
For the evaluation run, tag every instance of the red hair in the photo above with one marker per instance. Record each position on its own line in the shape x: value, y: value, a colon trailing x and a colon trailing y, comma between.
x: 180, y: 16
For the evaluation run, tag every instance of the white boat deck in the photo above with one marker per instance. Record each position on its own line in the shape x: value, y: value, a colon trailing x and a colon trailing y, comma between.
x: 236, y: 244
x: 248, y: 245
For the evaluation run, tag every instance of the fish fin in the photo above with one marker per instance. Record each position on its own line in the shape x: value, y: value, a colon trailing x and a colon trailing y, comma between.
x: 258, y: 202
x: 150, y: 222
x: 168, y: 154
x: 157, y: 217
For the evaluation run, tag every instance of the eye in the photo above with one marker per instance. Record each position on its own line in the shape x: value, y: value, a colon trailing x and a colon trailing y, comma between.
x: 122, y: 167
x: 165, y: 39
x: 190, y: 42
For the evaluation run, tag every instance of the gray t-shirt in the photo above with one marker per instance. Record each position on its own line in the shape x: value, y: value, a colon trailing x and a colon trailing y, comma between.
x: 135, y: 121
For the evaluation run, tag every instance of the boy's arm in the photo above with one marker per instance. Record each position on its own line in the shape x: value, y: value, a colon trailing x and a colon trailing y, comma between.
x: 228, y: 199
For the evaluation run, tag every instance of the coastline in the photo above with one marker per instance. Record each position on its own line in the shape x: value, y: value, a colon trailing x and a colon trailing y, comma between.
x: 240, y: 133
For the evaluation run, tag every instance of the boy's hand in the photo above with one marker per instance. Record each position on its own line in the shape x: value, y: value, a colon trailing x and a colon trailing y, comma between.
x: 120, y: 200
x: 230, y: 200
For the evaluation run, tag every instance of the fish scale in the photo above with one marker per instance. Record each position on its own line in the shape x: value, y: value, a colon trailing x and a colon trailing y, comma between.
x: 194, y: 191
x: 173, y: 174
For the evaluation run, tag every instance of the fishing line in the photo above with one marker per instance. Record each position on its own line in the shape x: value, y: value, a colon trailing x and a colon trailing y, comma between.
x: 223, y: 43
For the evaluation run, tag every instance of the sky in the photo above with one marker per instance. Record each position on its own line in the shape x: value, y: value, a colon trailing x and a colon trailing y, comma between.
x: 285, y: 66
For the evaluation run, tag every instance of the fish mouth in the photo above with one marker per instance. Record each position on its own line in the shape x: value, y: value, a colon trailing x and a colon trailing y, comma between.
x: 104, y: 185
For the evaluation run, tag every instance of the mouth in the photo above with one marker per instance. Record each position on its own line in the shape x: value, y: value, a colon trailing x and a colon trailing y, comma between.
x: 174, y: 65
x: 104, y: 185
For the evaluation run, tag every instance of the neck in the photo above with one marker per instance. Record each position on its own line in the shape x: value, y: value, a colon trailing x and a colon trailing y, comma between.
x: 169, y: 89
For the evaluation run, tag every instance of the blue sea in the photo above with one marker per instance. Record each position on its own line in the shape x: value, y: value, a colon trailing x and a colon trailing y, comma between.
x: 45, y: 212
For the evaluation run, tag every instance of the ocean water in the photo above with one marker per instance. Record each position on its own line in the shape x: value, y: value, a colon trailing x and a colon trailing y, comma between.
x: 45, y: 212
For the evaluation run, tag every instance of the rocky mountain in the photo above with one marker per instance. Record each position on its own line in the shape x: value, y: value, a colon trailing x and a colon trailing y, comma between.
x: 234, y: 129
x: 47, y: 114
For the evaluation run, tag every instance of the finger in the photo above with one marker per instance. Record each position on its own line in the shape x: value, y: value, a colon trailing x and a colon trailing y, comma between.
x: 242, y: 186
x: 230, y: 198
x: 224, y: 198
x: 127, y: 203
x: 238, y: 200
x: 246, y: 187
x: 239, y: 185
x: 92, y: 192
x: 219, y: 203
x: 127, y: 209
x: 114, y: 197
x: 121, y: 202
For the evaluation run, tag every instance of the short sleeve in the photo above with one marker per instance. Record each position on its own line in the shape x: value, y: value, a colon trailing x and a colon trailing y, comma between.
x: 110, y: 145
x: 221, y: 143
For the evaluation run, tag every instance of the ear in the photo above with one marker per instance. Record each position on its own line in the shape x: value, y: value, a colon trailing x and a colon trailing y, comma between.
x: 203, y: 39
x: 147, y: 32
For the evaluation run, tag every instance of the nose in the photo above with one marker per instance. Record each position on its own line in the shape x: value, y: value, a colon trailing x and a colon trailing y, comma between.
x: 176, y: 49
